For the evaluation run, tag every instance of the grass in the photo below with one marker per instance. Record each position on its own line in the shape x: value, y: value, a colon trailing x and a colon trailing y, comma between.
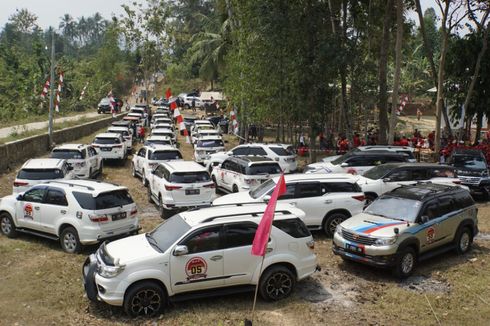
x: 42, y: 117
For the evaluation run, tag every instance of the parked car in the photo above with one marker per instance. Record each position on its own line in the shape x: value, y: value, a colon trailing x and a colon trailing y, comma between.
x: 110, y: 146
x: 472, y: 169
x: 126, y: 135
x: 386, y: 177
x: 164, y: 132
x: 356, y: 162
x: 388, y: 148
x: 75, y: 212
x: 175, y: 186
x: 327, y: 199
x: 197, y: 252
x: 148, y: 158
x: 408, y: 225
x: 207, y: 145
x: 84, y: 159
x: 39, y: 170
x: 244, y: 173
x: 104, y: 106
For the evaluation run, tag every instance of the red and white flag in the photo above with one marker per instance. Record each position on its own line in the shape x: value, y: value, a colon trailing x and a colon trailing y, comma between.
x: 82, y: 94
x: 180, y: 121
x: 263, y: 231
x: 234, y: 122
x: 58, y: 91
x: 168, y: 93
x: 45, y: 89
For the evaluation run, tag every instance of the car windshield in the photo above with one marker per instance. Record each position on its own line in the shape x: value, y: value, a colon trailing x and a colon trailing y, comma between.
x: 67, y: 154
x: 170, y: 231
x: 379, y: 171
x: 395, y: 208
x: 158, y: 142
x: 210, y: 143
x: 262, y: 189
x: 264, y: 168
x: 40, y: 174
x: 281, y: 151
x: 165, y: 155
x: 189, y: 177
x: 342, y: 158
x: 106, y: 141
x: 105, y: 200
x: 469, y: 162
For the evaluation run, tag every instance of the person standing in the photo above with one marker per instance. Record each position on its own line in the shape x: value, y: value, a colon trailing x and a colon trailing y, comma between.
x: 193, y: 105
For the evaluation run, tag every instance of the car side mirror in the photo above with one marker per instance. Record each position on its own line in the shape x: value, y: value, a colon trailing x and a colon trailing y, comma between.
x: 267, y: 198
x: 20, y: 197
x: 180, y: 250
x: 343, y: 165
x: 386, y: 179
x: 424, y: 218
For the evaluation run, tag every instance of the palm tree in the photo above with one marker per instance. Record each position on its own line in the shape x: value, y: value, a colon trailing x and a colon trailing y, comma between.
x: 67, y: 25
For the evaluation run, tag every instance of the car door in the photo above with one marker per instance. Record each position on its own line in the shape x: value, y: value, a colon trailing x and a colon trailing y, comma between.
x: 140, y: 158
x: 91, y: 159
x: 29, y: 209
x: 355, y: 165
x: 431, y: 232
x: 55, y: 206
x: 239, y: 264
x: 397, y: 178
x: 203, y: 265
x: 308, y: 198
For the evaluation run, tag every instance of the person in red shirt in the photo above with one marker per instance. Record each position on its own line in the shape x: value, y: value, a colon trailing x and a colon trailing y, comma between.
x: 141, y: 134
x: 356, y: 140
x: 403, y: 141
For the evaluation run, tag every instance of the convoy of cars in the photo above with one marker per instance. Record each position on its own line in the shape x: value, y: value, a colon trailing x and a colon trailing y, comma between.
x: 379, y: 207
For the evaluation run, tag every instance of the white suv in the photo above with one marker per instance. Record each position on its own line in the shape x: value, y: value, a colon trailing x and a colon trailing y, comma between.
x: 199, y: 251
x: 77, y: 212
x: 388, y: 148
x: 39, y: 170
x: 244, y: 173
x: 276, y: 152
x: 178, y: 185
x: 148, y: 158
x: 125, y: 133
x: 207, y: 145
x: 84, y: 159
x: 327, y: 199
x: 110, y: 146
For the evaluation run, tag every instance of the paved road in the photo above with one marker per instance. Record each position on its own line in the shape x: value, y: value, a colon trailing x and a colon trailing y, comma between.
x: 5, y: 132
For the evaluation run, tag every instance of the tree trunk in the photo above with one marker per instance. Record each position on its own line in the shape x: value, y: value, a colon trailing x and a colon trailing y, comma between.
x: 479, y: 120
x: 440, y: 92
x: 382, y: 75
x: 398, y: 59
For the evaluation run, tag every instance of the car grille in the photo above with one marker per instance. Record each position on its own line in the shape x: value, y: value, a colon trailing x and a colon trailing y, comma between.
x: 469, y: 180
x: 357, y: 238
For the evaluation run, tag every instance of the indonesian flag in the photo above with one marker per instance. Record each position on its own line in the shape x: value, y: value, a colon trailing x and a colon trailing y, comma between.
x: 173, y: 105
x: 58, y: 92
x: 234, y: 122
x: 82, y: 94
x: 45, y: 89
x: 168, y: 93
x: 263, y: 231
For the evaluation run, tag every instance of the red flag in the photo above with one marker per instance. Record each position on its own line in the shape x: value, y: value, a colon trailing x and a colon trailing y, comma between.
x: 263, y: 231
x: 173, y: 105
x: 168, y: 93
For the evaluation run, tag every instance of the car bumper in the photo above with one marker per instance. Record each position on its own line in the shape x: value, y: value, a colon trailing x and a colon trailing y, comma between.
x: 377, y: 261
x: 111, y: 155
x: 96, y: 235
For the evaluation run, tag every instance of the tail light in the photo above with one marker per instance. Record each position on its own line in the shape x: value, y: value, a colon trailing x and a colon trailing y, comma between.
x: 360, y: 197
x: 458, y: 182
x: 311, y: 244
x: 20, y: 184
x: 96, y: 146
x: 118, y: 146
x: 98, y: 218
x: 211, y: 185
x: 134, y: 211
x: 249, y: 181
x: 170, y: 188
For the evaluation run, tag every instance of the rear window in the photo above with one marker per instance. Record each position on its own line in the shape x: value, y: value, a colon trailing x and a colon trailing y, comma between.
x: 280, y: 151
x: 210, y: 143
x: 106, y: 141
x: 408, y: 153
x: 105, y: 200
x: 67, y: 154
x: 165, y: 155
x: 264, y: 168
x: 158, y: 142
x: 343, y: 187
x: 189, y: 177
x: 294, y: 227
x: 119, y: 132
x: 40, y: 174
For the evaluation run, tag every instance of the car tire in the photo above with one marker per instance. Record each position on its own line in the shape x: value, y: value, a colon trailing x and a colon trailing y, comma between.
x: 143, y: 178
x: 150, y: 200
x: 7, y: 226
x: 187, y: 106
x: 145, y: 299
x: 101, y: 168
x: 276, y: 283
x: 164, y: 213
x: 463, y: 240
x: 235, y: 188
x: 69, y: 240
x: 331, y: 221
x: 133, y: 170
x: 405, y: 263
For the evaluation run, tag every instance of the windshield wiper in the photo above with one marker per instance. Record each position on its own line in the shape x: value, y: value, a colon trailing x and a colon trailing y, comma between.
x: 153, y: 242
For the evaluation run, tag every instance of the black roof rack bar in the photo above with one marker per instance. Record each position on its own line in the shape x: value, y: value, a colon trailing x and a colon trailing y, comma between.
x: 71, y: 184
x: 242, y: 214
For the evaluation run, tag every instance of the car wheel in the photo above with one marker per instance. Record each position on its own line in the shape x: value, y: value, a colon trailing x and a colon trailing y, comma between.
x: 101, y: 168
x: 405, y: 263
x: 90, y: 173
x: 235, y: 188
x: 144, y: 299
x: 164, y: 213
x: 69, y: 240
x: 331, y: 222
x: 464, y: 240
x: 143, y: 179
x: 187, y: 106
x: 7, y: 225
x: 276, y: 283
x: 150, y: 200
x: 133, y: 170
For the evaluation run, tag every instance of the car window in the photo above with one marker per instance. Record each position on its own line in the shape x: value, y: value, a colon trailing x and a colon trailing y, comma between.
x: 55, y: 197
x: 294, y: 227
x: 35, y: 195
x: 40, y: 174
x: 116, y: 198
x: 419, y: 174
x: 165, y: 155
x: 442, y: 173
x: 357, y: 161
x: 91, y: 151
x: 189, y: 177
x: 341, y: 187
x: 240, y: 151
x: 304, y: 190
x: 280, y: 151
x: 239, y: 235
x: 257, y: 151
x: 142, y: 152
x: 393, y: 159
x: 107, y: 141
x: 68, y: 154
x: 290, y: 190
x: 464, y: 200
x: 207, y: 239
x: 446, y: 205
x: 400, y: 175
x: 264, y: 168
x: 431, y: 210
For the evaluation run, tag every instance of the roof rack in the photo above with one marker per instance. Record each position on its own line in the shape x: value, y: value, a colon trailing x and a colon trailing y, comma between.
x: 254, y: 214
x: 71, y: 184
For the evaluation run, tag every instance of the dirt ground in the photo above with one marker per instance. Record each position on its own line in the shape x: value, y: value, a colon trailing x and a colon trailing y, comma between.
x: 42, y: 285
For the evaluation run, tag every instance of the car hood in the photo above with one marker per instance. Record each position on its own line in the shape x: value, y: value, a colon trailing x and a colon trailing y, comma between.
x: 372, y: 225
x: 331, y: 158
x: 321, y: 167
x: 130, y: 249
x: 235, y: 198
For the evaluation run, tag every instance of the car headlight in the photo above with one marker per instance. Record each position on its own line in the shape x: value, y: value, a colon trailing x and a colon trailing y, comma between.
x: 110, y: 271
x: 385, y: 241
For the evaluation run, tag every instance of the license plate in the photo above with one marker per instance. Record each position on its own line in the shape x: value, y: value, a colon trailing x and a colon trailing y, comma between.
x: 192, y: 191
x: 355, y: 249
x: 118, y: 216
x: 106, y: 149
